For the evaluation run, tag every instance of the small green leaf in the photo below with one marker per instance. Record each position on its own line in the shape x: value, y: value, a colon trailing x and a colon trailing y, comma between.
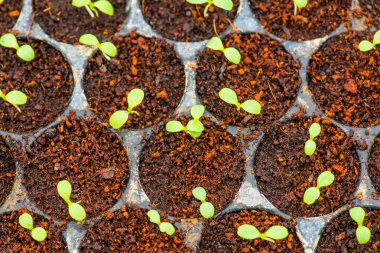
x: 229, y: 96
x: 108, y: 48
x: 215, y: 43
x: 376, y: 38
x: 26, y: 221
x: 233, y: 55
x: 197, y: 111
x: 224, y: 4
x: 16, y: 97
x: 365, y: 46
x: 314, y: 130
x: 167, y: 228
x: 80, y: 3
x: 105, y: 7
x: 77, y: 212
x: 300, y: 3
x: 277, y: 232
x: 207, y: 210
x: 135, y: 97
x: 195, y: 134
x: 248, y: 232
x: 311, y: 195
x: 154, y: 217
x: 358, y: 215
x: 195, y: 126
x: 39, y: 234
x: 325, y: 179
x: 118, y: 119
x: 199, y: 193
x: 9, y: 40
x: 64, y: 190
x: 89, y: 40
x: 26, y: 53
x: 310, y: 147
x: 196, y: 1
x: 174, y: 126
x: 363, y: 234
x: 251, y: 106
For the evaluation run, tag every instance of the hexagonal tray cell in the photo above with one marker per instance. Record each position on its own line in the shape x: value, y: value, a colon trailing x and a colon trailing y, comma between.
x: 267, y: 74
x: 182, y: 21
x: 371, y: 10
x: 173, y: 164
x: 339, y: 235
x: 220, y: 234
x: 66, y: 23
x: 7, y: 171
x: 317, y: 19
x: 9, y: 13
x: 86, y: 154
x: 283, y: 171
x: 344, y: 81
x: 374, y: 164
x: 47, y: 81
x: 129, y: 230
x: 15, y: 238
x: 146, y: 63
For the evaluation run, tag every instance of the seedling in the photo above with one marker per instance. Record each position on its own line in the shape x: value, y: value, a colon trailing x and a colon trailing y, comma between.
x: 107, y: 48
x: 1, y: 1
x: 231, y: 53
x: 26, y: 221
x: 223, y: 4
x: 165, y: 227
x: 310, y: 145
x: 194, y: 127
x: 119, y: 118
x: 363, y: 234
x: 206, y: 208
x: 299, y: 4
x: 250, y: 232
x: 366, y: 45
x: 311, y: 195
x: 229, y: 96
x: 15, y: 98
x: 25, y: 52
x: 92, y: 8
x: 76, y: 211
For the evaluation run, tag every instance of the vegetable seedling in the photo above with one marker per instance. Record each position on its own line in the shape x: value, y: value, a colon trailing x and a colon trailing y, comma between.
x: 76, y: 211
x: 119, y: 118
x: 223, y: 4
x: 15, y: 98
x: 206, y: 208
x: 92, y: 7
x: 229, y: 96
x: 165, y: 227
x: 231, y: 53
x: 25, y: 52
x: 366, y: 45
x: 250, y: 232
x: 310, y: 145
x: 194, y: 127
x: 299, y: 4
x: 311, y: 195
x: 26, y: 221
x: 363, y: 234
x: 107, y: 48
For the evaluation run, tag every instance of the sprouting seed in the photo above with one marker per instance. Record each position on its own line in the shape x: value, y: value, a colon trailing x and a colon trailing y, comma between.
x: 194, y: 127
x: 107, y: 48
x: 363, y: 234
x: 76, y: 211
x: 231, y: 53
x: 229, y: 96
x: 311, y: 195
x: 310, y: 145
x: 366, y: 45
x: 26, y: 221
x: 25, y: 52
x: 165, y: 227
x: 92, y: 7
x: 299, y: 4
x: 15, y: 98
x: 223, y: 4
x: 206, y: 208
x: 250, y: 232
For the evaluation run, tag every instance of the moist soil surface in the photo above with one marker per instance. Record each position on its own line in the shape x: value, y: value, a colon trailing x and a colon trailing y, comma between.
x: 173, y: 164
x: 283, y: 171
x: 87, y: 155
x: 220, y: 234
x: 371, y: 10
x: 9, y: 13
x: 317, y: 19
x: 66, y: 23
x: 129, y: 230
x: 374, y: 165
x: 47, y: 81
x: 149, y: 64
x: 15, y: 238
x: 345, y: 82
x: 339, y: 235
x: 181, y: 21
x: 266, y: 73
x: 7, y: 171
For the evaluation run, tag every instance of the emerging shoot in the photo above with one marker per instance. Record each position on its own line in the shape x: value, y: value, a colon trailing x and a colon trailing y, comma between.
x: 311, y: 195
x: 206, y: 208
x: 229, y: 96
x: 366, y: 45
x: 363, y: 234
x: 92, y: 8
x: 26, y: 221
x: 25, y: 52
x: 223, y: 4
x: 165, y: 227
x: 107, y: 48
x: 250, y: 232
x: 76, y: 211
x: 310, y: 145
x: 231, y: 53
x: 194, y: 127
x: 15, y: 98
x: 299, y: 4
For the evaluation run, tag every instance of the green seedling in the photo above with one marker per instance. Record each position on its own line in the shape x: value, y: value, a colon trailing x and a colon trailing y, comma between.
x: 310, y: 145
x: 229, y: 96
x: 165, y: 227
x: 223, y: 4
x: 26, y: 221
x: 93, y: 7
x: 366, y: 45
x: 206, y: 208
x: 25, y: 52
x: 311, y: 195
x: 1, y: 1
x: 194, y: 127
x: 107, y: 48
x: 231, y: 53
x: 15, y: 98
x: 76, y: 211
x: 250, y: 232
x: 363, y: 234
x: 119, y: 118
x: 299, y: 4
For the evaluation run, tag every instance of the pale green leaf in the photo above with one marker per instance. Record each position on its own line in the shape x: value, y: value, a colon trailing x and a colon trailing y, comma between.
x: 154, y: 217
x: 229, y: 96
x: 365, y: 46
x: 16, y: 97
x: 89, y: 40
x: 77, y: 212
x: 64, y: 190
x: 195, y: 126
x: 108, y: 48
x: 26, y: 53
x: 26, y: 221
x: 80, y: 3
x: 224, y: 4
x: 358, y: 215
x: 174, y: 126
x: 314, y: 130
x: 248, y: 232
x: 251, y: 106
x: 277, y: 232
x: 118, y: 119
x: 135, y: 97
x: 195, y: 134
x: 311, y: 195
x: 325, y: 179
x: 39, y: 234
x: 105, y: 7
x: 376, y: 38
x: 300, y: 3
x: 196, y: 1
x: 197, y: 111
x: 9, y: 40
x: 363, y: 234
x: 199, y: 193
x: 207, y: 210
x: 215, y: 43
x: 233, y: 55
x: 167, y: 228
x: 310, y: 147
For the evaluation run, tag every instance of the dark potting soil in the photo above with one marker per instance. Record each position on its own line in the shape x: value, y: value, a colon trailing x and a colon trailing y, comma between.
x: 374, y: 165
x: 345, y: 81
x: 47, y: 81
x: 220, y: 234
x: 371, y: 10
x: 283, y: 171
x: 9, y: 13
x: 15, y: 238
x: 87, y: 155
x: 317, y: 19
x: 7, y: 171
x: 339, y: 235
x: 146, y: 63
x: 266, y: 73
x: 130, y: 230
x: 182, y: 21
x: 173, y: 164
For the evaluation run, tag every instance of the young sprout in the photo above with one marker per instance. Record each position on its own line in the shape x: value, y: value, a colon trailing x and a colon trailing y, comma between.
x: 223, y: 4
x: 76, y: 211
x: 250, y: 232
x: 92, y: 8
x: 107, y: 48
x: 206, y: 208
x: 299, y: 4
x: 229, y: 96
x: 311, y: 195
x: 366, y: 45
x: 15, y: 98
x: 231, y: 53
x: 310, y: 145
x: 26, y: 221
x: 363, y: 234
x: 119, y: 118
x: 25, y: 52
x: 165, y: 227
x: 194, y: 127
